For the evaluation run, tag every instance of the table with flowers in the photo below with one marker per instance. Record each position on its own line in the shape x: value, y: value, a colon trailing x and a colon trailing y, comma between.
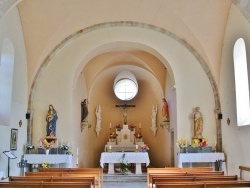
x: 129, y: 157
x: 202, y: 158
x: 64, y: 161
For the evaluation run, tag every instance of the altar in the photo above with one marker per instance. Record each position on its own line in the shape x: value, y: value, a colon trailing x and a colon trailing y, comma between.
x: 202, y: 158
x: 130, y: 157
x: 60, y: 161
x: 124, y: 141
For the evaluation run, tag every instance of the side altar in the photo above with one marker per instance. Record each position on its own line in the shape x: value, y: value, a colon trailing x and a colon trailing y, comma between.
x: 124, y: 139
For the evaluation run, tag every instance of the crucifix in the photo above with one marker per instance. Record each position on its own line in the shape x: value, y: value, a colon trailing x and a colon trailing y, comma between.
x: 124, y: 106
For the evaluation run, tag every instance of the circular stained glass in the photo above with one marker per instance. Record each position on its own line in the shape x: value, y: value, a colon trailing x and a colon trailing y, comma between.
x: 125, y: 89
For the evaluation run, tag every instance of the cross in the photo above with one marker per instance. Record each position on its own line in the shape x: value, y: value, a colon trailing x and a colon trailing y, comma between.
x: 125, y: 106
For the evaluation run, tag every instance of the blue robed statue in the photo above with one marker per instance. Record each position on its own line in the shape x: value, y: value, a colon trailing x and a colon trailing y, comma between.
x: 51, y: 119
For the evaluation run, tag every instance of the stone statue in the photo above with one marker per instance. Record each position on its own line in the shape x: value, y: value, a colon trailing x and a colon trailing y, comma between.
x: 85, y: 112
x: 165, y: 111
x: 51, y: 119
x: 153, y: 117
x: 98, y: 119
x: 198, y: 123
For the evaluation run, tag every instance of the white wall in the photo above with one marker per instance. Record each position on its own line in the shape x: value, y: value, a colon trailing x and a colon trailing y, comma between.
x: 235, y: 140
x: 11, y: 28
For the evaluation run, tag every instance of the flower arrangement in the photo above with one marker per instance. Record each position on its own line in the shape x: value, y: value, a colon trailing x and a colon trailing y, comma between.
x: 46, y: 144
x: 70, y: 151
x: 113, y: 135
x: 46, y: 165
x: 30, y: 147
x: 138, y: 135
x: 124, y: 166
x: 64, y: 147
x: 144, y: 147
x: 199, y: 142
x: 118, y: 127
x: 181, y: 143
x: 131, y: 127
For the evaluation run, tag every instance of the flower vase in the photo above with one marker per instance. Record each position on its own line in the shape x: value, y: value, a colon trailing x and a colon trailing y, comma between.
x: 182, y: 150
x: 143, y: 150
x: 47, y: 151
x: 200, y: 149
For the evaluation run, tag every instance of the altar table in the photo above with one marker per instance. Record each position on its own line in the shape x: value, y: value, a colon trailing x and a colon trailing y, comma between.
x: 2, y: 175
x: 64, y: 161
x: 130, y: 157
x: 202, y: 158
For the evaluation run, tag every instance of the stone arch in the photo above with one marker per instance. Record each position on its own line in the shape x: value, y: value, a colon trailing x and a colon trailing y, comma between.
x: 136, y: 25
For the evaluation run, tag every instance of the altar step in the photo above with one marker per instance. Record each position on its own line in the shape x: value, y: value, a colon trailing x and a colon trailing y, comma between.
x: 130, y: 177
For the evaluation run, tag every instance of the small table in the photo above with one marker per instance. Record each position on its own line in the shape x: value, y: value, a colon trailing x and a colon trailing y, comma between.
x: 64, y: 161
x: 130, y: 157
x: 202, y: 158
x: 2, y: 175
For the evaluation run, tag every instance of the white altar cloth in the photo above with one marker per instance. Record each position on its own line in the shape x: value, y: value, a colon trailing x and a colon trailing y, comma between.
x: 202, y: 158
x: 2, y: 175
x: 62, y: 160
x: 130, y: 157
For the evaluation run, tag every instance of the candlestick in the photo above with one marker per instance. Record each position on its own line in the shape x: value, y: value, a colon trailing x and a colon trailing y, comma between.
x: 136, y: 146
x: 77, y: 151
x: 77, y: 161
x: 109, y: 125
x: 109, y: 146
x: 215, y: 141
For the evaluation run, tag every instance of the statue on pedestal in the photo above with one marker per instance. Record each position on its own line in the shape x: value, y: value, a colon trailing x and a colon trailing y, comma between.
x: 165, y: 111
x: 198, y: 123
x: 98, y: 127
x: 153, y: 116
x: 85, y: 112
x: 51, y: 119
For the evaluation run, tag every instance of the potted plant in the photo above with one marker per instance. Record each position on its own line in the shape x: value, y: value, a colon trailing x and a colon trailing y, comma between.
x: 199, y: 143
x: 124, y: 166
x: 138, y: 137
x: 29, y: 148
x: 112, y: 136
x: 182, y: 144
x: 144, y: 148
x: 64, y: 148
x: 131, y: 127
x: 47, y: 145
x: 118, y: 127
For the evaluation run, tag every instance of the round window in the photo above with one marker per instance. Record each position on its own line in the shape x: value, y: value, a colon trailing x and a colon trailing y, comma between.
x: 125, y: 86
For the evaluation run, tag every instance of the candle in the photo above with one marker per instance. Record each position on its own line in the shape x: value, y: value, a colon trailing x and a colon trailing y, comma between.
x: 62, y: 142
x: 139, y: 125
x: 77, y: 151
x: 215, y: 141
x: 77, y: 160
x: 136, y: 146
x: 109, y: 125
x: 109, y: 146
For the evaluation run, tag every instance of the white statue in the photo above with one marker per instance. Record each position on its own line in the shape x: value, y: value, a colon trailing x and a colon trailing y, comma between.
x: 153, y: 116
x: 98, y: 127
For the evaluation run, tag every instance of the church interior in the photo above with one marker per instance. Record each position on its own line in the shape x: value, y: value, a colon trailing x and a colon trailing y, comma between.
x: 112, y: 76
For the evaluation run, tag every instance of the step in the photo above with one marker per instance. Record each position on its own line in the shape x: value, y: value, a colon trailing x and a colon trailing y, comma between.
x: 130, y: 177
